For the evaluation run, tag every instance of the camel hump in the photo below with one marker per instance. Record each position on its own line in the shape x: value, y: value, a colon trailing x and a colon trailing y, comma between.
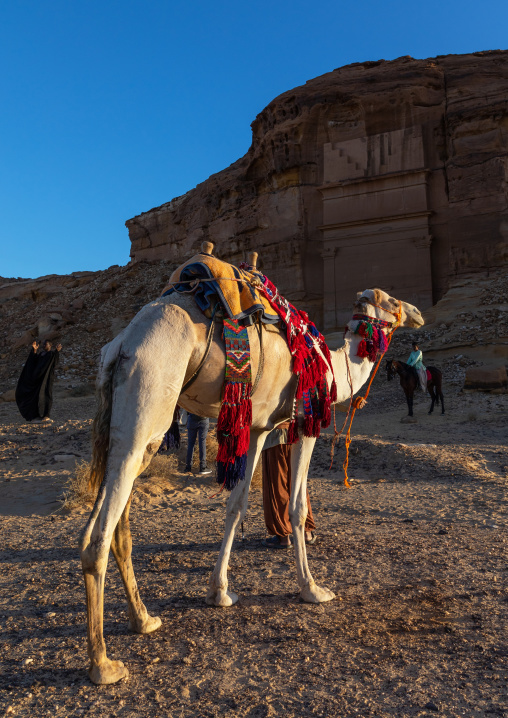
x: 252, y: 259
x: 207, y: 248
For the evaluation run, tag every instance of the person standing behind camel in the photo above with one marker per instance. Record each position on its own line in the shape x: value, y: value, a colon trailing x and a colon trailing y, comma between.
x: 415, y: 360
x: 276, y: 465
x: 34, y: 392
x: 197, y: 427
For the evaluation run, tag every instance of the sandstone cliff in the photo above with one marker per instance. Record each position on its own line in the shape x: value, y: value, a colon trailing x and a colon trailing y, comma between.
x: 378, y: 173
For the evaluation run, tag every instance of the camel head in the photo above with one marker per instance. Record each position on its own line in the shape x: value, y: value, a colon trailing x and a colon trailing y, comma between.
x: 377, y: 303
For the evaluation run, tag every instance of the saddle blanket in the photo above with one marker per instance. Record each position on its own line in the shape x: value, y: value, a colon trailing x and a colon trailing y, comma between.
x: 235, y: 288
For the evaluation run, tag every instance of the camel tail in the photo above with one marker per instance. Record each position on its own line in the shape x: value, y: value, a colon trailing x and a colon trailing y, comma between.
x: 102, y: 421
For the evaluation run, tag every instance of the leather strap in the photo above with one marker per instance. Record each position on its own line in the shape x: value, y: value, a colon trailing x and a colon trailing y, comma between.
x: 205, y: 355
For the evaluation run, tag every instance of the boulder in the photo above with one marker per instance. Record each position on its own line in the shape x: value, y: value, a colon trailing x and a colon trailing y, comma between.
x: 25, y: 339
x: 486, y: 379
x: 9, y: 395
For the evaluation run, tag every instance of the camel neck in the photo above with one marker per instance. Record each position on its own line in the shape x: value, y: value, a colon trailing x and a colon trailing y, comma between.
x: 360, y: 368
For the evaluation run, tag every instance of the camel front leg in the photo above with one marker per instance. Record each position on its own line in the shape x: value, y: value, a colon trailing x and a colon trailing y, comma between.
x: 139, y: 619
x: 300, y: 459
x: 218, y: 594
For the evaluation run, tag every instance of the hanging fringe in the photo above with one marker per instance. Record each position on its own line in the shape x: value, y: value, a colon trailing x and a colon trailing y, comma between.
x: 373, y: 343
x: 235, y: 416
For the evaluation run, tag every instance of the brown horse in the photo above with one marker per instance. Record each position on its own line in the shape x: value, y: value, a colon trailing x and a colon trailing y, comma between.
x: 409, y: 381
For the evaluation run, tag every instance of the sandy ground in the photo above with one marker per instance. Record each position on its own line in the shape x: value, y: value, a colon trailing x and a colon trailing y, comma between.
x: 416, y: 552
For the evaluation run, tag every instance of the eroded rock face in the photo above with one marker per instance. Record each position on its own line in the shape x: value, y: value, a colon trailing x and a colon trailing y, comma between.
x: 388, y: 174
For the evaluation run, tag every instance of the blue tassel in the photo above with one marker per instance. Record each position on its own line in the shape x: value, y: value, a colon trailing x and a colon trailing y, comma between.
x: 230, y: 474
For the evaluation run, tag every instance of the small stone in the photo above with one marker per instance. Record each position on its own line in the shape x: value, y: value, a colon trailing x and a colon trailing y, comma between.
x: 51, y: 614
x: 442, y: 532
x: 27, y: 661
x: 431, y: 706
x: 64, y: 457
x: 156, y: 660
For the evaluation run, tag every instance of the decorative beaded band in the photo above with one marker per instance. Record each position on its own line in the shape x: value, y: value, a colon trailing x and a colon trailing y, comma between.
x: 372, y: 320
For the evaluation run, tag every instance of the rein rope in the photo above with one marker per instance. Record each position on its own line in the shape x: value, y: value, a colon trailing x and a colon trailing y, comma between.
x: 360, y: 401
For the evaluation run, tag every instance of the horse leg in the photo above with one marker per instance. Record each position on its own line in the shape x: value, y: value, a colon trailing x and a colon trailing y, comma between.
x: 442, y: 401
x: 409, y: 399
x: 218, y: 594
x: 300, y: 459
x: 433, y: 396
x: 139, y: 619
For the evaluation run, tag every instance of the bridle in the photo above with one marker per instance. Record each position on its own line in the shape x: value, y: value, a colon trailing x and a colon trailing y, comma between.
x: 381, y: 322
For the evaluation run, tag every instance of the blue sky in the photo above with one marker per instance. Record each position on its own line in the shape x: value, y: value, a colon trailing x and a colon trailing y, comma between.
x: 112, y: 108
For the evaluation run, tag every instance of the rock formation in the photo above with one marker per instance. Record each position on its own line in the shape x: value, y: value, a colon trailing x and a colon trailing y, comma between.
x: 378, y: 173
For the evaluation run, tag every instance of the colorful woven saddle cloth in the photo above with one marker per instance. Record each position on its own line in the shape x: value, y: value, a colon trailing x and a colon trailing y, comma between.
x: 235, y: 289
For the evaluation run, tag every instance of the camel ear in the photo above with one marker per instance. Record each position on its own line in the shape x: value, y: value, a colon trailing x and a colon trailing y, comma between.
x: 358, y: 294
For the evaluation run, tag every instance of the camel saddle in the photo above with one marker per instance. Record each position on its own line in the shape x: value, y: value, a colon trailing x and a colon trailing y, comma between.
x: 211, y: 280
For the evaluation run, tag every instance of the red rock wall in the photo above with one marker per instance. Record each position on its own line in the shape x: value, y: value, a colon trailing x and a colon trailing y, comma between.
x: 387, y: 174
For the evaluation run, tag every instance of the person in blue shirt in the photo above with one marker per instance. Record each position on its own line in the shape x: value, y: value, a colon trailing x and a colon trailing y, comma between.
x: 416, y: 361
x: 197, y: 428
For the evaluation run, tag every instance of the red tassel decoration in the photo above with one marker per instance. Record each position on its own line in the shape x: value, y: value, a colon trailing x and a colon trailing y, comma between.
x: 293, y: 435
x: 362, y: 349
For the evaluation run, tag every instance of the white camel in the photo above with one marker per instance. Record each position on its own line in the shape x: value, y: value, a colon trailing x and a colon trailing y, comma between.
x: 140, y: 382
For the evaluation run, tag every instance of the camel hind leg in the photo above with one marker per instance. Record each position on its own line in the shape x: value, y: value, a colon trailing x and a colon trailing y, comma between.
x: 95, y: 544
x: 108, y: 527
x: 135, y: 426
x: 121, y: 546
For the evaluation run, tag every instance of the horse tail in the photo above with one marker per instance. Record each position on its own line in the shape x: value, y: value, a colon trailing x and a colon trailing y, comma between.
x: 102, y: 420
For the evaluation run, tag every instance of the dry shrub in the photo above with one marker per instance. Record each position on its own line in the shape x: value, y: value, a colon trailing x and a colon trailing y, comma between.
x: 162, y: 466
x: 76, y: 493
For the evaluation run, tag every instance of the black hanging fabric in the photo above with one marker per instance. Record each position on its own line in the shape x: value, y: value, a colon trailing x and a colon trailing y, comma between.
x: 34, y: 392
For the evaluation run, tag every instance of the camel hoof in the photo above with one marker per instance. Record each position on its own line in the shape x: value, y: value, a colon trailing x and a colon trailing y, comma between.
x: 221, y: 598
x: 108, y: 672
x: 148, y: 625
x: 316, y: 594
